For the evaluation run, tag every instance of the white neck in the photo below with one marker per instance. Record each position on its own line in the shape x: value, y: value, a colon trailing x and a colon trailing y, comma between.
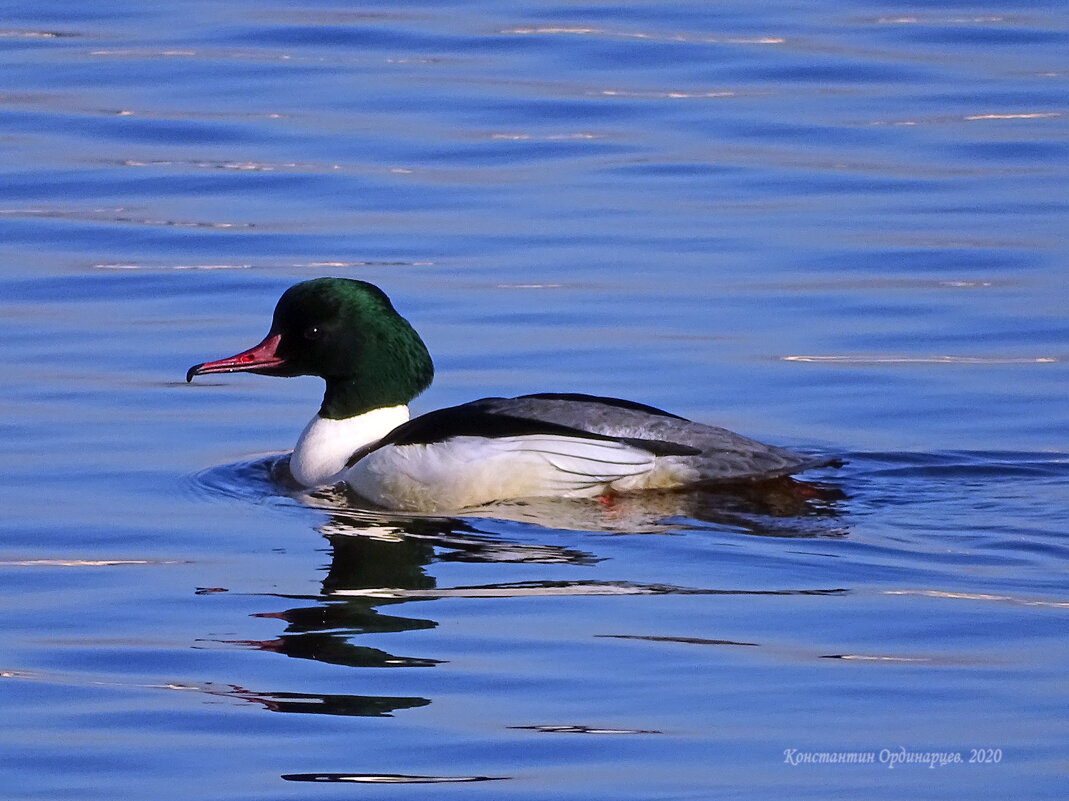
x: 325, y: 445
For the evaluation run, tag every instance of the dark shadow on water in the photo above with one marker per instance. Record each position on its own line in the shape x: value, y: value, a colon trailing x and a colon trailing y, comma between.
x: 316, y: 704
x: 385, y: 778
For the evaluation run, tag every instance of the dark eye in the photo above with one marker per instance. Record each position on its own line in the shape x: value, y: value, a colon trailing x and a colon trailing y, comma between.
x: 312, y: 332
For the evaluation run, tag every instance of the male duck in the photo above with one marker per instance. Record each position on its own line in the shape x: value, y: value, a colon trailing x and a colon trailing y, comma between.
x: 561, y: 445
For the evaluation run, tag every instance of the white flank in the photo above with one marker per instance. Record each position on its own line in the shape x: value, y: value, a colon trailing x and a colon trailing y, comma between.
x: 469, y: 471
x: 325, y: 445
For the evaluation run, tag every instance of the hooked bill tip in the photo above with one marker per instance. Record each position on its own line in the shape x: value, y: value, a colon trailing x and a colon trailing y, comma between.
x: 192, y: 372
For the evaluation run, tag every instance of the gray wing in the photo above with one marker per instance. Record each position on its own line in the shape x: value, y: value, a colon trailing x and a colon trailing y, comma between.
x: 723, y: 455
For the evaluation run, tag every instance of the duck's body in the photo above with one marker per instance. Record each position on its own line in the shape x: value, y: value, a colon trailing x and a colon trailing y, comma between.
x: 548, y: 445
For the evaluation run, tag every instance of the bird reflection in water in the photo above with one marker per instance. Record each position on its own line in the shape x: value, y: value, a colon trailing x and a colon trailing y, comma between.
x: 380, y: 560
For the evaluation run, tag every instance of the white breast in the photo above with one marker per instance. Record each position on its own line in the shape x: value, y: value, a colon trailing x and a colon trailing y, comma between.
x: 325, y: 445
x: 471, y: 471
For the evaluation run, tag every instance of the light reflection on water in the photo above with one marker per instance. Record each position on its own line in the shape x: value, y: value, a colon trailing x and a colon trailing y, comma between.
x: 840, y: 229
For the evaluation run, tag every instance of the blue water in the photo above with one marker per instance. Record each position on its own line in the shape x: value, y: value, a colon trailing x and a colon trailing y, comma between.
x: 839, y: 227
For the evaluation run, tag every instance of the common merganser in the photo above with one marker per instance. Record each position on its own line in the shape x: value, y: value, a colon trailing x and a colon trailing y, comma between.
x: 546, y: 445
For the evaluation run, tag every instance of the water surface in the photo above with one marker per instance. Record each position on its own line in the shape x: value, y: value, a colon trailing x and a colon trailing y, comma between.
x: 835, y: 227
